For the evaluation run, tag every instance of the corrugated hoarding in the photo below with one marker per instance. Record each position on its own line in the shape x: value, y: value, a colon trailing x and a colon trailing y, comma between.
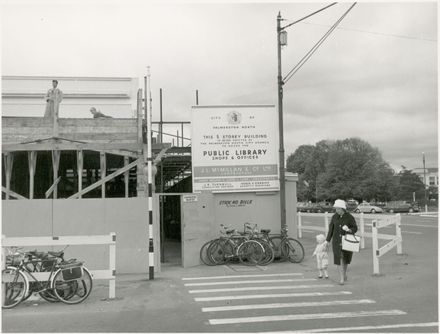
x: 235, y: 148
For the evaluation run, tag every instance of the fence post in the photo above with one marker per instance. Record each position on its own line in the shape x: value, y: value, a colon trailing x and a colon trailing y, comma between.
x: 326, y: 223
x: 362, y: 223
x: 3, y: 254
x: 375, y: 249
x: 299, y: 225
x: 398, y: 234
x: 112, y: 266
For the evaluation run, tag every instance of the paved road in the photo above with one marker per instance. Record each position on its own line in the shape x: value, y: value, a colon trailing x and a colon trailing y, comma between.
x: 277, y: 298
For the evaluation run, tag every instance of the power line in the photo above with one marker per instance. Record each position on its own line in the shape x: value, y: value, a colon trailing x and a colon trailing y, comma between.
x: 316, y: 46
x: 305, y: 17
x: 374, y: 32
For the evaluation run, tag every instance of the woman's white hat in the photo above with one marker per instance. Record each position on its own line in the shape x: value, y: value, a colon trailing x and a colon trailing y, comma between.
x: 339, y: 203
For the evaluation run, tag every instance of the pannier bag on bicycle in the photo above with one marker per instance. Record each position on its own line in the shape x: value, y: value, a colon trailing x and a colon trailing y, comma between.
x: 72, y: 271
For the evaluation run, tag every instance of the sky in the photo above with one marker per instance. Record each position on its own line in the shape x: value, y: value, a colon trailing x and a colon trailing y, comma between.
x: 375, y: 77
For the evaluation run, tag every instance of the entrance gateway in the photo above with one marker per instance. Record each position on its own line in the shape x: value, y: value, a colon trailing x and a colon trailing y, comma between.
x: 235, y: 179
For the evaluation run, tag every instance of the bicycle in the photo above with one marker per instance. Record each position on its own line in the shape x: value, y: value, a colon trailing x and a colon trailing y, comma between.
x: 285, y: 247
x: 68, y: 281
x: 233, y: 245
x: 254, y: 234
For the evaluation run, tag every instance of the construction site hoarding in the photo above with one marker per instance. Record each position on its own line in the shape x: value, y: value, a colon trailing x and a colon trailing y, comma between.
x: 235, y: 148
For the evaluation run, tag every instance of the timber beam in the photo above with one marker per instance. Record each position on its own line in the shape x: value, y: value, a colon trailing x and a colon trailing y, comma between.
x: 12, y: 193
x: 106, y: 179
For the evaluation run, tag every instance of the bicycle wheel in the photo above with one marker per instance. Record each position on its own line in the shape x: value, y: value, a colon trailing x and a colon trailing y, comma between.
x: 204, y: 256
x: 14, y: 287
x: 268, y: 253
x: 49, y: 296
x: 276, y: 245
x: 250, y: 253
x: 293, y: 250
x: 216, y: 252
x: 72, y: 291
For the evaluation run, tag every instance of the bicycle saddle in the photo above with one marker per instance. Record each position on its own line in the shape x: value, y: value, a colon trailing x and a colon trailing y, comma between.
x: 56, y: 254
x: 265, y: 230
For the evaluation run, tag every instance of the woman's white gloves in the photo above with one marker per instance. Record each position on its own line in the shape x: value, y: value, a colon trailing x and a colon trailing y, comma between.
x: 345, y: 228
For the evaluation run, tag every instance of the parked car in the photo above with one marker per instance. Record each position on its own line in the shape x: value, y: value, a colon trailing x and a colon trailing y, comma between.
x: 366, y: 207
x: 308, y: 207
x: 402, y: 206
x: 352, y: 204
x: 303, y: 207
x: 325, y: 207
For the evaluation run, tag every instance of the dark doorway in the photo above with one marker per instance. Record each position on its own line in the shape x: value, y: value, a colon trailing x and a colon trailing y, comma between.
x: 171, y: 237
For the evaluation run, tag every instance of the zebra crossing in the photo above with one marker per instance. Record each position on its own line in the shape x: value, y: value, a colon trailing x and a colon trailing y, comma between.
x: 262, y: 302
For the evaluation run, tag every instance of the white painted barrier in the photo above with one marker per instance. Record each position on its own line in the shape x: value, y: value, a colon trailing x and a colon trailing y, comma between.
x: 327, y: 216
x: 395, y: 240
x: 360, y: 218
x: 378, y: 221
x: 109, y: 239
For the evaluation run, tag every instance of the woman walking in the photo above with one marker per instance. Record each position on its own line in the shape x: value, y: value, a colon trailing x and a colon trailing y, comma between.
x: 341, y: 223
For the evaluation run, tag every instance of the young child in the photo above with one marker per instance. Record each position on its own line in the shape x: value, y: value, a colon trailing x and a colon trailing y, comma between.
x: 321, y: 255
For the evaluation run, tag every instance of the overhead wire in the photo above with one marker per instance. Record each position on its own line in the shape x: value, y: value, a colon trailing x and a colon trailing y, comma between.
x: 376, y: 33
x: 316, y: 46
x: 306, y: 17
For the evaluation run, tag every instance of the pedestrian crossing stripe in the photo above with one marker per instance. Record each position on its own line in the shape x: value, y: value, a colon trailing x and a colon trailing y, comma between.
x: 240, y: 276
x: 360, y: 328
x: 240, y: 282
x: 274, y: 295
x: 286, y: 305
x: 309, y: 316
x: 255, y: 288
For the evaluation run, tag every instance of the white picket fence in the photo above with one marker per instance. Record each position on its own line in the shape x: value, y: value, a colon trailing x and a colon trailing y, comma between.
x: 395, y: 240
x: 378, y: 221
x: 103, y: 274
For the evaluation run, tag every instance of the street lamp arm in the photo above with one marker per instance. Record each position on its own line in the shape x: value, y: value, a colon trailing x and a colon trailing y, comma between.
x: 305, y: 17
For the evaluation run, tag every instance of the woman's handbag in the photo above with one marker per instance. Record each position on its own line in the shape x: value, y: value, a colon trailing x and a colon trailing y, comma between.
x: 351, y: 243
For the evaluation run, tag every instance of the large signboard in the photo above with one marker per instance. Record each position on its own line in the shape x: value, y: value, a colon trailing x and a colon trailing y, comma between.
x: 235, y: 148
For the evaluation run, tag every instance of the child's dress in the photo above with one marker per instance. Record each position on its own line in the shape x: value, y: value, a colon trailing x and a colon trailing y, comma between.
x: 321, y: 256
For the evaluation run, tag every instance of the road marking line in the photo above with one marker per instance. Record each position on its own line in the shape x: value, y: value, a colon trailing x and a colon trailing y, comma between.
x: 240, y: 276
x: 286, y: 305
x: 240, y: 282
x: 354, y: 329
x: 274, y: 295
x: 309, y: 316
x: 407, y: 232
x: 254, y: 288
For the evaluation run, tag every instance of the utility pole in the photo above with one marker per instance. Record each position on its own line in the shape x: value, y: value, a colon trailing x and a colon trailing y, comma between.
x: 280, y: 32
x: 424, y: 182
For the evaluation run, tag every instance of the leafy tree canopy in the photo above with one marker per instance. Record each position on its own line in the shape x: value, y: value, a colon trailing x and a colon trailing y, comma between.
x: 348, y: 168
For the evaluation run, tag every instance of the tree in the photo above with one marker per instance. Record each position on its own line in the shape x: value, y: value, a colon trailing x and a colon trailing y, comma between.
x: 349, y: 168
x: 409, y: 183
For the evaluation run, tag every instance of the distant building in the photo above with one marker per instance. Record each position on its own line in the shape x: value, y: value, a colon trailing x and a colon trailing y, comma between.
x: 431, y: 176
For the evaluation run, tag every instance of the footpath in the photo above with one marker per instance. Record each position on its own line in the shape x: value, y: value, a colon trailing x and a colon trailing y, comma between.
x: 407, y: 281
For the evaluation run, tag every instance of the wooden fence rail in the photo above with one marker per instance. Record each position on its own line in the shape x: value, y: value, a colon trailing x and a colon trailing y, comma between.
x: 104, y: 274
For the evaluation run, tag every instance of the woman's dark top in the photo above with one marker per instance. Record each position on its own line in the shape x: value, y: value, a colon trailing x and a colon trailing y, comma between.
x: 336, y: 232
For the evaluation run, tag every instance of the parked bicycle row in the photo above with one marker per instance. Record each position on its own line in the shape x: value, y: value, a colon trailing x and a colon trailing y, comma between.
x: 47, y: 274
x: 251, y: 247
